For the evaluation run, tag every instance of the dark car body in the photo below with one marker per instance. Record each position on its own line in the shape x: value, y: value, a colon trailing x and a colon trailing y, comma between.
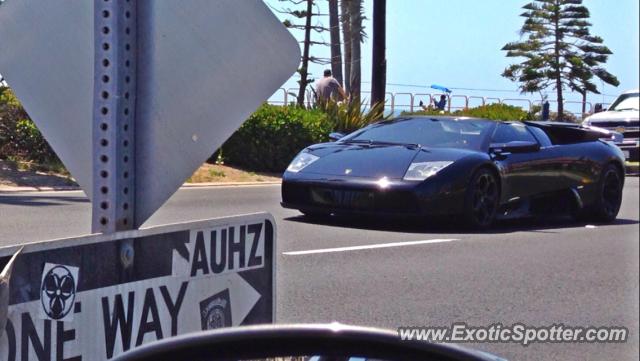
x: 352, y: 178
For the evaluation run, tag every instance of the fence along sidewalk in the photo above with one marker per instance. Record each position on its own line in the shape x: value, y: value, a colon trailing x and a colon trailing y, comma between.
x: 404, y: 101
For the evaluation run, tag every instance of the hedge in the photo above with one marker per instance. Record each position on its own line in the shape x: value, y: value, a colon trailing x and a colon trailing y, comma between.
x: 273, y: 135
x: 493, y: 111
x: 19, y: 137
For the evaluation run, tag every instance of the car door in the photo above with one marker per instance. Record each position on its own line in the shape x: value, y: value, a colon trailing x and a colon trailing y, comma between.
x: 527, y: 173
x: 553, y: 163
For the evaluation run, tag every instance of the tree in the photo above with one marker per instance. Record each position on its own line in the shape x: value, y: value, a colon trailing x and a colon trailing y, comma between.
x: 304, y: 69
x: 559, y: 51
x: 307, y: 14
x: 379, y: 61
x: 334, y: 32
x: 356, y: 37
x: 346, y: 36
x: 584, y: 69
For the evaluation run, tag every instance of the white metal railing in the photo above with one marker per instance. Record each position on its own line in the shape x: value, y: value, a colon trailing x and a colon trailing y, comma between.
x: 405, y: 101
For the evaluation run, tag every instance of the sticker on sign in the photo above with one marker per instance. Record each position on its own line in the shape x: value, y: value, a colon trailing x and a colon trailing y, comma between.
x: 70, y: 299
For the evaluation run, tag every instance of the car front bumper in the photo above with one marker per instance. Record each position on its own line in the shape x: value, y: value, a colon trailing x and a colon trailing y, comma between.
x: 393, y: 198
x: 630, y: 148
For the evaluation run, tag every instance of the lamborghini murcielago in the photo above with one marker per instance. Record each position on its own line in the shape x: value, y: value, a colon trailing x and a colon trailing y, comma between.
x: 474, y: 169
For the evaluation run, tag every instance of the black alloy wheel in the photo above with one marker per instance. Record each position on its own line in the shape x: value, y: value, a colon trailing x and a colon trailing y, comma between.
x: 481, y: 203
x: 610, y: 195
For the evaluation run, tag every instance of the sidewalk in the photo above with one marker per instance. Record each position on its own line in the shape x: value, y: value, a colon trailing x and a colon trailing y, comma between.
x: 19, y: 189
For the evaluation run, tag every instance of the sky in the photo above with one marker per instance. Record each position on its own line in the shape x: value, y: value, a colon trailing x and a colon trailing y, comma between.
x: 456, y: 43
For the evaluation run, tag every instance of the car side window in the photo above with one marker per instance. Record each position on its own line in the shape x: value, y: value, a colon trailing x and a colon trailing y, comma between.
x: 542, y: 137
x: 510, y: 132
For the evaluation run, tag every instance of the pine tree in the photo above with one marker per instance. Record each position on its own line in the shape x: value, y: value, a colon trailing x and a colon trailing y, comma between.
x: 559, y: 51
x: 307, y: 27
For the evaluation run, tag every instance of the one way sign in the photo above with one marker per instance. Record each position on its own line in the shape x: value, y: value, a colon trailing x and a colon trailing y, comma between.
x: 71, y: 300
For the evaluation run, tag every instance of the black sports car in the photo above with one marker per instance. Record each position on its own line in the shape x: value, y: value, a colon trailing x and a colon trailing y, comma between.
x: 474, y: 168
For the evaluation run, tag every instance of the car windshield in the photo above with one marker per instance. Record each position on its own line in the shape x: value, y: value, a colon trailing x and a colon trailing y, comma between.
x: 426, y: 132
x: 627, y: 102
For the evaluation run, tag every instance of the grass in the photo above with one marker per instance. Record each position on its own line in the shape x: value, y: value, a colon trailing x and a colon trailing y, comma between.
x: 21, y: 173
x: 46, y: 168
x: 218, y: 173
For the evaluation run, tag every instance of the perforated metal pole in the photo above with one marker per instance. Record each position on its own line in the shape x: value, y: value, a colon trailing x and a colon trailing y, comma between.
x: 113, y: 115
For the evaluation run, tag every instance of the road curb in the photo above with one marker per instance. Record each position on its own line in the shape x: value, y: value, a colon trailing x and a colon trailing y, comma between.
x: 11, y: 189
x: 229, y: 184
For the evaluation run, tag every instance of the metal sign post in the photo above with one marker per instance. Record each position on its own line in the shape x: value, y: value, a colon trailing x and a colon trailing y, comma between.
x: 114, y: 100
x: 134, y: 96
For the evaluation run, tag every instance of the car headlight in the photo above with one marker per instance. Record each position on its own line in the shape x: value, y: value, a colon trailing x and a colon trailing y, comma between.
x: 423, y: 170
x: 300, y: 161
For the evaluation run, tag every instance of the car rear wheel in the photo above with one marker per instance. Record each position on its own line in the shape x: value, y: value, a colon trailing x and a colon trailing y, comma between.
x: 609, y: 197
x: 481, y: 200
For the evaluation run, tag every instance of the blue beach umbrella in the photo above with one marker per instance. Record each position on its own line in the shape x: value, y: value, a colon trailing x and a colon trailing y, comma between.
x: 441, y: 88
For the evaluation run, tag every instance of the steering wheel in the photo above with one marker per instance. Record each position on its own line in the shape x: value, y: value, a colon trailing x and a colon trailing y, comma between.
x: 332, y: 341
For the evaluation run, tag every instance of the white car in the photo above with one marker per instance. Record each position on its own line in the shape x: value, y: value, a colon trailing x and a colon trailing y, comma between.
x: 622, y: 117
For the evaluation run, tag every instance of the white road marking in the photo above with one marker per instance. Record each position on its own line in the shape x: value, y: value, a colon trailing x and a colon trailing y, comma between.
x: 235, y: 185
x: 369, y: 246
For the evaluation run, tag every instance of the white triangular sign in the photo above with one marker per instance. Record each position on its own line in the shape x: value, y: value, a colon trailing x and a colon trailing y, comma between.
x: 203, y: 67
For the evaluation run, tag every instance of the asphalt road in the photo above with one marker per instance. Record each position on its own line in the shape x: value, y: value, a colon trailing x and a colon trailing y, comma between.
x: 537, y: 272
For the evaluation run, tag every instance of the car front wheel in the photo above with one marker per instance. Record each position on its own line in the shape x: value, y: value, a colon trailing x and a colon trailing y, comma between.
x: 481, y: 200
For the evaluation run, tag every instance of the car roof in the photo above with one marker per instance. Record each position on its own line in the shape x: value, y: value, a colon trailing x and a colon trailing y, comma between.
x: 443, y: 117
x: 454, y: 118
x: 553, y: 124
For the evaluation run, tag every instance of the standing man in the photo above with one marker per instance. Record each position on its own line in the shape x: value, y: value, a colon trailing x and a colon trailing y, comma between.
x: 327, y: 86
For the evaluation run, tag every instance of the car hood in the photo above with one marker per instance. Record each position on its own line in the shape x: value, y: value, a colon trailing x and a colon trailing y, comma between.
x: 608, y: 116
x: 374, y: 161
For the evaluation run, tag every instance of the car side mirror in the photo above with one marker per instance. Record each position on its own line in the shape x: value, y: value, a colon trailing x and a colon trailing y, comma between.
x: 599, y: 107
x: 335, y: 136
x: 515, y: 147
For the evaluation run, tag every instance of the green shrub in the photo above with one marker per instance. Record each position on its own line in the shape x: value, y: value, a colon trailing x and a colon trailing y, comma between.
x: 273, y: 135
x: 493, y: 111
x: 498, y: 112
x: 346, y: 117
x: 19, y: 137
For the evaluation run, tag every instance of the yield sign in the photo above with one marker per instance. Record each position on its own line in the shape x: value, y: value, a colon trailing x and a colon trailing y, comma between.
x: 203, y: 67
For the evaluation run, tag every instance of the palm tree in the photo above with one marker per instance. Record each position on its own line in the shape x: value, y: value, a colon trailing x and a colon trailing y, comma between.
x: 379, y: 61
x: 334, y: 31
x: 346, y: 36
x: 356, y: 37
